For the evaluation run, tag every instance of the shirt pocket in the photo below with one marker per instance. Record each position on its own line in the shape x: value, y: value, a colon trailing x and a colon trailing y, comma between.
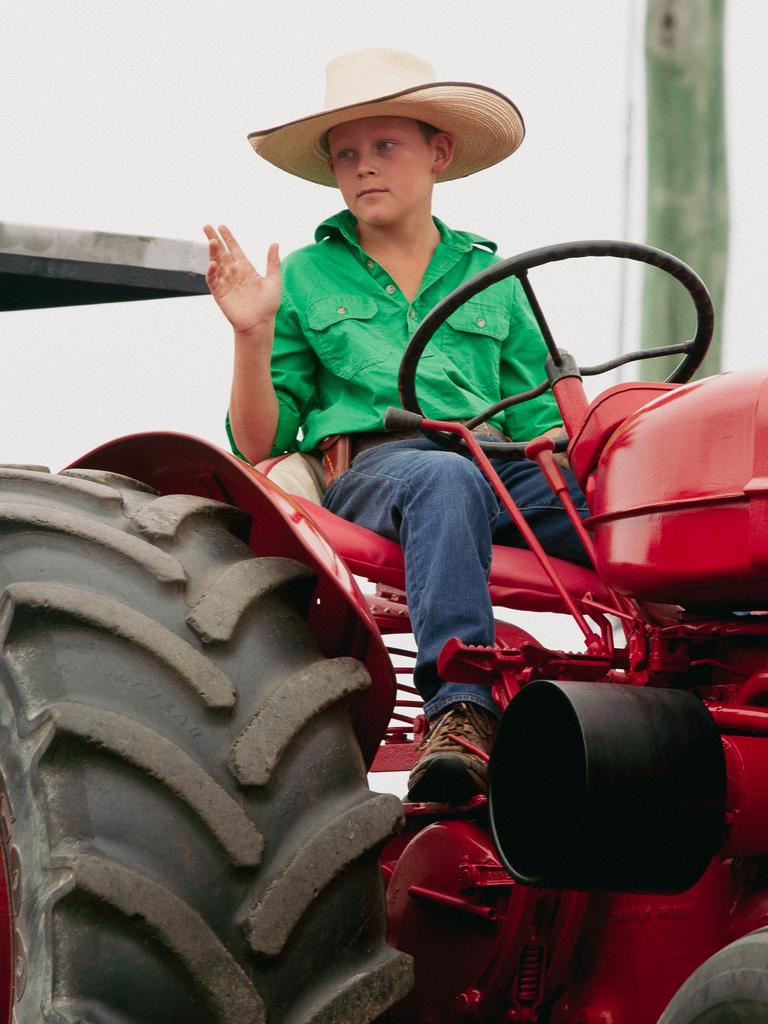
x: 344, y: 333
x: 472, y: 338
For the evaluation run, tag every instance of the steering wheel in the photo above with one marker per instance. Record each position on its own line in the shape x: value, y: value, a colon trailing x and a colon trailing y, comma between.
x: 693, y: 351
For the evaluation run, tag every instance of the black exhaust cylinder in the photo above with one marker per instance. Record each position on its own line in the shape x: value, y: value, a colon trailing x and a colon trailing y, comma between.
x: 612, y: 787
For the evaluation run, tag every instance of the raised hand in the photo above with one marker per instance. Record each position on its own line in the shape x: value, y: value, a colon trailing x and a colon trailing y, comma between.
x: 246, y: 298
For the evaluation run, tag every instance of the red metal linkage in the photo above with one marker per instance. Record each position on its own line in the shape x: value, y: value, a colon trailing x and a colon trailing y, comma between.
x: 593, y: 641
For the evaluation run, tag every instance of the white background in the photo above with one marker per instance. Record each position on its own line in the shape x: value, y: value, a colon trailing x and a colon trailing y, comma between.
x: 131, y: 117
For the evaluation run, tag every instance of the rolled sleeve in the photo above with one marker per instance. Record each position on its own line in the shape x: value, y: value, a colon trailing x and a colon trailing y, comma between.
x: 293, y: 376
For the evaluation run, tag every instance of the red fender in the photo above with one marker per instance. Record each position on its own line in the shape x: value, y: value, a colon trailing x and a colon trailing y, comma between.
x: 339, y: 615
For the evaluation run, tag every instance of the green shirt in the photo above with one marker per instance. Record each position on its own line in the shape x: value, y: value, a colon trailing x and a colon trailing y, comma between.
x: 343, y: 326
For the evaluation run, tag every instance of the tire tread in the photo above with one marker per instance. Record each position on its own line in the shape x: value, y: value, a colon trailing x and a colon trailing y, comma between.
x: 257, y: 750
x: 322, y: 858
x: 166, y: 762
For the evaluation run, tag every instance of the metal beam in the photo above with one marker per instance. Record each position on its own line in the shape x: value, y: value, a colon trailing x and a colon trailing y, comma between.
x: 45, y: 267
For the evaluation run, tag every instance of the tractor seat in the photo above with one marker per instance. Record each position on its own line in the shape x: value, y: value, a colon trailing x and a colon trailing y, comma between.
x: 517, y: 580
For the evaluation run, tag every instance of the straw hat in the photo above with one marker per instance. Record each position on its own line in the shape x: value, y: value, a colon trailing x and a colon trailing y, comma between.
x: 486, y: 126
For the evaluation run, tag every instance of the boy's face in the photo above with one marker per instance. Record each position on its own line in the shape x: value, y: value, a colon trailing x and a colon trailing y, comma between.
x: 385, y: 167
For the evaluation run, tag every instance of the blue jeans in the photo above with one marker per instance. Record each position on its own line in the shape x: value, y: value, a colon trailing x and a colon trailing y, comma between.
x: 446, y: 516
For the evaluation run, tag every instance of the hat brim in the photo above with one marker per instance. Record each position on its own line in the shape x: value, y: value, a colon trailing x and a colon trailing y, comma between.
x: 486, y: 127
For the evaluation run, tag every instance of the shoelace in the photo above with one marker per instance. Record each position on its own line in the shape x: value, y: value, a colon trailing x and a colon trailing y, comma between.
x: 468, y: 721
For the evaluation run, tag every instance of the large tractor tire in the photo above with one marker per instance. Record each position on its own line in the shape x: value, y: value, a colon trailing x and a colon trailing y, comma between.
x: 186, y: 828
x: 729, y: 988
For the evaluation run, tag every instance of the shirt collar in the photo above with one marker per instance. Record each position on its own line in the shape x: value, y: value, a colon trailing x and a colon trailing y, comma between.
x: 342, y: 225
x: 462, y: 240
x: 339, y: 225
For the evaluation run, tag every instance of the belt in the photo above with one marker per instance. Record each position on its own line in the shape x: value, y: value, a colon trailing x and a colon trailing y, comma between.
x: 339, y: 450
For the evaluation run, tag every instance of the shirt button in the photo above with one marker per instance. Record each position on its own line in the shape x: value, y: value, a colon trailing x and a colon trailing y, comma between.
x: 480, y: 322
x: 412, y: 314
x: 342, y: 309
x: 391, y: 289
x: 370, y: 264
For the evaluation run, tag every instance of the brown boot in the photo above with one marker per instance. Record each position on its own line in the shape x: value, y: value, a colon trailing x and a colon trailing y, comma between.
x: 447, y: 773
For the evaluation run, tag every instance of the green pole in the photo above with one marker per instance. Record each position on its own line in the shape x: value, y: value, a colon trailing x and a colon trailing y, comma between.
x: 687, y: 192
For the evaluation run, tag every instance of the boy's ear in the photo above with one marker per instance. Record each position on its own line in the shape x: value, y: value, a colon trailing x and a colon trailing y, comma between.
x: 442, y: 149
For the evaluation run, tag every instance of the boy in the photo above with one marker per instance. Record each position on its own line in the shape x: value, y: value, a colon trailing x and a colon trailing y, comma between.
x: 321, y: 356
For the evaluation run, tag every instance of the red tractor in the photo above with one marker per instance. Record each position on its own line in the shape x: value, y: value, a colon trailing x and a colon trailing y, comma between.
x: 194, y: 688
